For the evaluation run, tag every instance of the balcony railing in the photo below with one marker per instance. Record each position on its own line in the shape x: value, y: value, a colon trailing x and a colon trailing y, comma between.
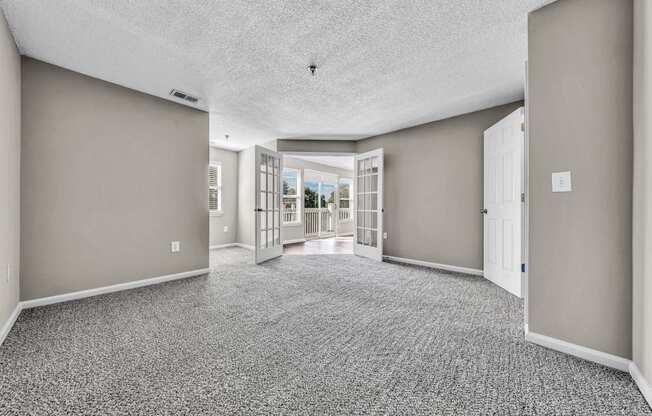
x: 311, y: 221
x: 290, y: 216
x: 344, y: 214
x: 318, y: 222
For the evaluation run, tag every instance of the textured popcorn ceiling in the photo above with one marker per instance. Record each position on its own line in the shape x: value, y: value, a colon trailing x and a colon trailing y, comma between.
x: 383, y: 65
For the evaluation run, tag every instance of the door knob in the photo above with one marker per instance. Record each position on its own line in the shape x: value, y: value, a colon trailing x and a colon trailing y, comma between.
x: 483, y: 211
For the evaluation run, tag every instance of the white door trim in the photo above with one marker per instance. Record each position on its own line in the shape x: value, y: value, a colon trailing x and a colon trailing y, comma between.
x: 525, y: 249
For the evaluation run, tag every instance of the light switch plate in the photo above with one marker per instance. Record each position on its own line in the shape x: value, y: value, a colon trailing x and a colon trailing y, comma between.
x: 175, y: 246
x: 226, y: 228
x: 561, y: 182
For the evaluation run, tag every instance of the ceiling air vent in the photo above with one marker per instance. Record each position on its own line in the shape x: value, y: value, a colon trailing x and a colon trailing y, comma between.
x: 183, y: 96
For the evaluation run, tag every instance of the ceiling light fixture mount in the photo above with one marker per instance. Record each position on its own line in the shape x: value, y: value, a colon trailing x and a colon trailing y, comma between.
x: 312, y: 68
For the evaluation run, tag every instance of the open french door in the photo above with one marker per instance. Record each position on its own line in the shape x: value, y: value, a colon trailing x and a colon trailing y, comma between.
x: 268, y: 168
x: 368, y: 215
x: 503, y: 187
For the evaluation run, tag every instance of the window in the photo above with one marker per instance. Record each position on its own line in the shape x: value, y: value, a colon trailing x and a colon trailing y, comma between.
x: 215, y: 188
x: 291, y: 201
x: 345, y: 199
x: 311, y: 194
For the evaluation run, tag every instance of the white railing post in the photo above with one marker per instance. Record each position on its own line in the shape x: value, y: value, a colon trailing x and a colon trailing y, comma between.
x: 318, y: 221
x: 311, y: 222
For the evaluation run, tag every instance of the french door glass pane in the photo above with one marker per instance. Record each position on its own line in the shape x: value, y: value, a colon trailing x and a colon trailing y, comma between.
x: 373, y: 183
x: 366, y: 192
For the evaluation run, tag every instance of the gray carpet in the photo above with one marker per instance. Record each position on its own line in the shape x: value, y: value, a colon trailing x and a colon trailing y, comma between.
x: 314, y: 335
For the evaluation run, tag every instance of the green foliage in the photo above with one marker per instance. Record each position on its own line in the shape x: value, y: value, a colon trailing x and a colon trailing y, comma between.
x: 310, y: 198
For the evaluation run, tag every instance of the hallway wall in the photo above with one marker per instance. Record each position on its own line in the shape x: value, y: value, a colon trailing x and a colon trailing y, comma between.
x: 642, y: 214
x: 10, y: 135
x: 580, y: 112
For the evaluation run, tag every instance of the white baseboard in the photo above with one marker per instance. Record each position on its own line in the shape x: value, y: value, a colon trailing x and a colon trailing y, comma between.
x: 222, y: 246
x: 109, y: 289
x: 440, y: 266
x: 641, y: 382
x: 4, y: 331
x: 247, y: 246
x: 603, y: 358
x: 296, y: 240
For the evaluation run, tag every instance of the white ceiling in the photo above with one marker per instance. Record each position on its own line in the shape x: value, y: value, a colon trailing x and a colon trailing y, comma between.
x: 382, y: 65
x: 342, y: 162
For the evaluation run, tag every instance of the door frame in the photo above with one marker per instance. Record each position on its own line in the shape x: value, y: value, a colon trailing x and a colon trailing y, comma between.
x: 525, y: 212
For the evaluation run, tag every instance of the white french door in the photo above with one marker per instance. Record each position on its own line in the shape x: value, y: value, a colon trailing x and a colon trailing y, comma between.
x: 269, y: 165
x: 368, y: 215
x: 503, y: 185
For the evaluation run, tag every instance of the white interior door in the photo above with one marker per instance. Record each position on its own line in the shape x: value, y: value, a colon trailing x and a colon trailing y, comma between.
x: 368, y: 215
x: 503, y: 184
x: 269, y: 165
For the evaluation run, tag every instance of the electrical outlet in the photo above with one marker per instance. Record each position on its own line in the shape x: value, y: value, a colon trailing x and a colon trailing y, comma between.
x: 175, y: 246
x: 384, y: 236
x: 226, y: 228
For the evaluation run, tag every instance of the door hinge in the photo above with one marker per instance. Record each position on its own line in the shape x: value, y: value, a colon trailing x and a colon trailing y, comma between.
x: 522, y: 267
x: 523, y: 127
x: 522, y: 197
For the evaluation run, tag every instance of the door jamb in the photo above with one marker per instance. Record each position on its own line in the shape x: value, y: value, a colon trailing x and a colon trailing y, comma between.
x: 525, y: 211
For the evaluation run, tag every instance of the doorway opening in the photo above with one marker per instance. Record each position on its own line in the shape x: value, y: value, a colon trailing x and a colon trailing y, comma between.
x: 317, y: 204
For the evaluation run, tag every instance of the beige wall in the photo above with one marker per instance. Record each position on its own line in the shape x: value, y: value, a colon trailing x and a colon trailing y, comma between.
x: 434, y: 188
x: 325, y: 146
x: 110, y: 177
x: 642, y: 219
x: 229, y: 216
x: 580, y: 111
x: 10, y: 79
x: 246, y: 202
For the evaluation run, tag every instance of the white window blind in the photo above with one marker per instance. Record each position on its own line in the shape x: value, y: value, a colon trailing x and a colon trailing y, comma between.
x: 215, y: 188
